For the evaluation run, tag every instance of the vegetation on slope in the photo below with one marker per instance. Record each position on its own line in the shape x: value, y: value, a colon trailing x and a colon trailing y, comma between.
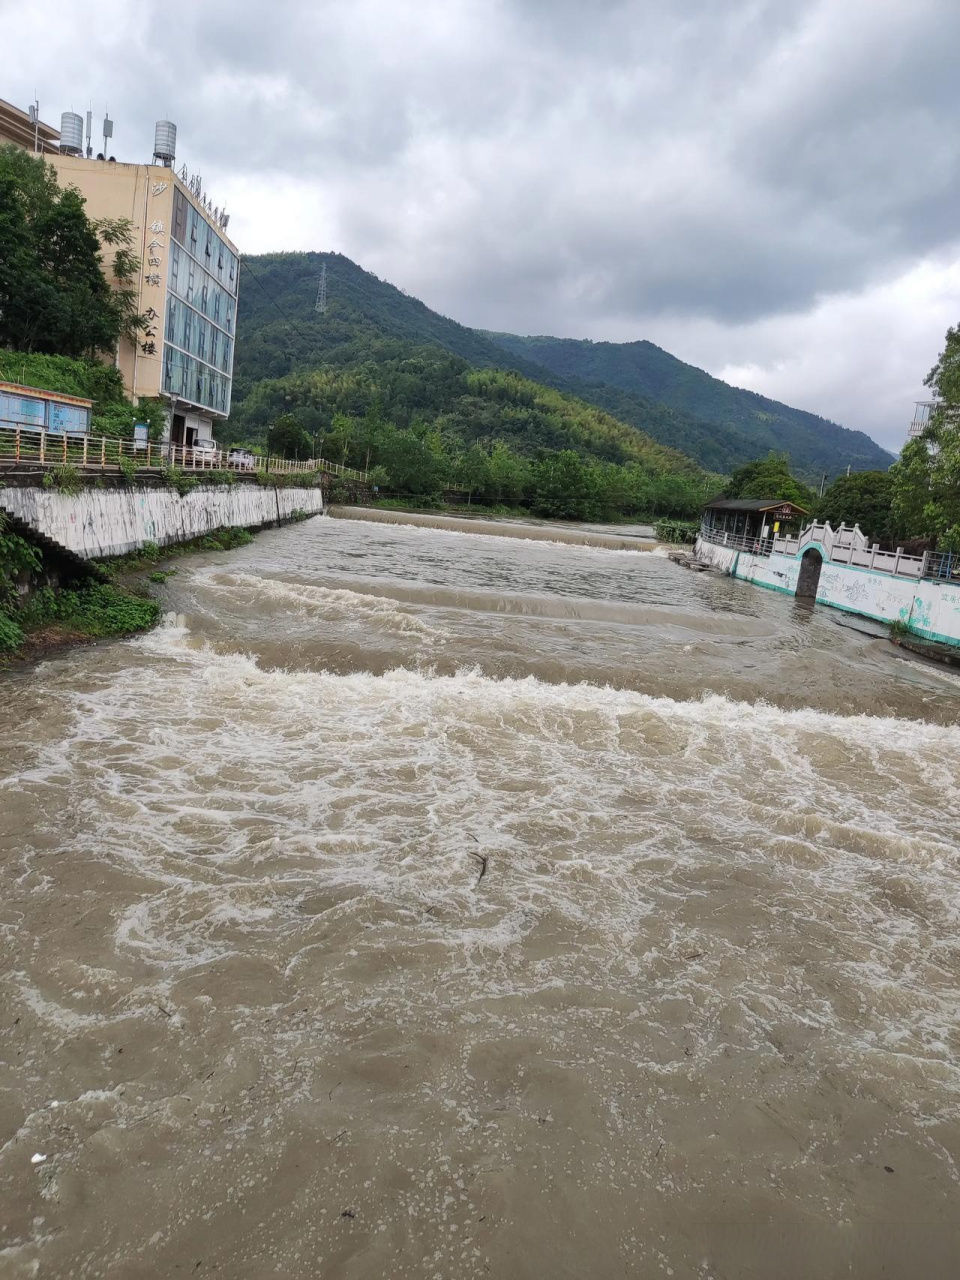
x: 369, y: 321
x: 744, y: 424
x: 427, y: 421
x: 381, y: 381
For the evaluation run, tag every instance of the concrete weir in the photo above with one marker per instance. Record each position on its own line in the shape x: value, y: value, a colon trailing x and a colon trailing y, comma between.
x: 95, y: 523
x: 501, y: 527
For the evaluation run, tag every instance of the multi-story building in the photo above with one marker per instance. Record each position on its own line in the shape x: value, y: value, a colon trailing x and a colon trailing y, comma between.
x: 189, y: 272
x: 188, y: 284
x: 26, y: 129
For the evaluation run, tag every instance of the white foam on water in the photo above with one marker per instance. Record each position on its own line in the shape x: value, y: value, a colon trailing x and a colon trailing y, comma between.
x: 665, y: 852
x: 362, y: 611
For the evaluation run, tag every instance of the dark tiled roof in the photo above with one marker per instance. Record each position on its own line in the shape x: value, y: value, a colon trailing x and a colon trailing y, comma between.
x: 753, y: 504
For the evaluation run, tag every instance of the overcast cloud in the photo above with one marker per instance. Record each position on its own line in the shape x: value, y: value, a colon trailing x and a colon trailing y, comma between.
x: 768, y: 188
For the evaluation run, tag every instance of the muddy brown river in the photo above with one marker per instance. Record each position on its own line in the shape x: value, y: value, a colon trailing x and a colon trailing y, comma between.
x: 418, y: 903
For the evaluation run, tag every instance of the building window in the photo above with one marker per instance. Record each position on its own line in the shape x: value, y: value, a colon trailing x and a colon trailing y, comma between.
x: 179, y: 216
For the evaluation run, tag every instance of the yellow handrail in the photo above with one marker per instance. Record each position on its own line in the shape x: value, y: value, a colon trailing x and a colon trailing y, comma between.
x: 53, y: 448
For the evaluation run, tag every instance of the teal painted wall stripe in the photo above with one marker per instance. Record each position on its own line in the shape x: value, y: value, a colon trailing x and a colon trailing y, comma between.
x: 922, y: 632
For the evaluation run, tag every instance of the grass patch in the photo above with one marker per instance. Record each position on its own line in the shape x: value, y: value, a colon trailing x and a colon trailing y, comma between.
x: 97, y: 609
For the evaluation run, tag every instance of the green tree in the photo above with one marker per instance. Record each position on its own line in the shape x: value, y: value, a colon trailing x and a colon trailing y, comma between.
x: 54, y: 294
x: 911, y: 484
x: 926, y: 479
x: 339, y: 439
x: 509, y: 473
x: 769, y: 477
x: 562, y: 486
x: 944, y: 381
x: 863, y: 498
x: 473, y: 472
x: 412, y: 460
x: 287, y: 439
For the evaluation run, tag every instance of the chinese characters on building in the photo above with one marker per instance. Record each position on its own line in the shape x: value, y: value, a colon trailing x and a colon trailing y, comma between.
x: 153, y: 278
x: 149, y: 346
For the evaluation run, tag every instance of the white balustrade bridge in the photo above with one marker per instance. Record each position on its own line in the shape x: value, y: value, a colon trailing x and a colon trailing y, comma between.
x: 846, y: 546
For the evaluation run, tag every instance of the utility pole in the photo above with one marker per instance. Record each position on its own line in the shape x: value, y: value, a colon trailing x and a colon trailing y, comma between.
x: 823, y: 484
x: 322, y: 291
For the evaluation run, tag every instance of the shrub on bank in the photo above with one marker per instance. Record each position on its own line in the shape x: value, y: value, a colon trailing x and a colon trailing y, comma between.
x: 680, y: 531
x: 96, y: 609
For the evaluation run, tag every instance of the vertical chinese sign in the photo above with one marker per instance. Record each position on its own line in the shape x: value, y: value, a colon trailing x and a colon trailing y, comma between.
x: 153, y: 291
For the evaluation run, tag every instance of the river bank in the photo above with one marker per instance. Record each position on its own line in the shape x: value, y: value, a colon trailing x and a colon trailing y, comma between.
x: 114, y: 601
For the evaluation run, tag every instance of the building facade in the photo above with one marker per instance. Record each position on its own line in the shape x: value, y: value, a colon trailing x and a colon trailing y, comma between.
x: 189, y: 279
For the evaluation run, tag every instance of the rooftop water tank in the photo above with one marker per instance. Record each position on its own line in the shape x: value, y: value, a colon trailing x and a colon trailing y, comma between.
x: 71, y: 134
x: 165, y: 142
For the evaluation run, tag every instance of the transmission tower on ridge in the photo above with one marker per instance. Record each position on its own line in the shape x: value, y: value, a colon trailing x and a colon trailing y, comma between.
x: 322, y: 291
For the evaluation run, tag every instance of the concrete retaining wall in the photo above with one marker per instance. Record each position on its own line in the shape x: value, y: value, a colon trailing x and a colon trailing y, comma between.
x: 111, y: 522
x: 929, y: 609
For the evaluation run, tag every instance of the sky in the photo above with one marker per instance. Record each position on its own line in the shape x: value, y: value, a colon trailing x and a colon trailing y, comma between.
x: 768, y: 189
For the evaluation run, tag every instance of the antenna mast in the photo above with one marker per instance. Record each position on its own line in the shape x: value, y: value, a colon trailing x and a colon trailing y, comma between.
x: 322, y: 291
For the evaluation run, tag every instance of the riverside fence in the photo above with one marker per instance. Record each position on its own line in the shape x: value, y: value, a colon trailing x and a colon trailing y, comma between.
x: 843, y: 546
x: 19, y: 444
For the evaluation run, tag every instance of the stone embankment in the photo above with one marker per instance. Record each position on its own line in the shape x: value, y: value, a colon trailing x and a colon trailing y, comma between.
x: 100, y: 522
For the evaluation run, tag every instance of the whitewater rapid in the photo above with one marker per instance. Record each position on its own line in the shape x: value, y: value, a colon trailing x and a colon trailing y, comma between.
x: 416, y: 905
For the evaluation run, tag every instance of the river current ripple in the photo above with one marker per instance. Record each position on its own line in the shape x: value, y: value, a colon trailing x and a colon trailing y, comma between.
x: 424, y: 904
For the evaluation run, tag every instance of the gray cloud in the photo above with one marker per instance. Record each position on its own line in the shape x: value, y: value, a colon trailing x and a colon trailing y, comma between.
x: 701, y: 172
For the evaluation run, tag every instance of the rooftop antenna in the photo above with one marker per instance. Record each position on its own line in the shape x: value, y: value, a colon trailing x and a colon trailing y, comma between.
x: 89, y: 133
x: 107, y: 131
x: 322, y: 291
x: 34, y: 110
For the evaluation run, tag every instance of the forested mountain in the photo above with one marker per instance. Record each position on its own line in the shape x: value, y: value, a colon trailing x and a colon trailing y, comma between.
x: 377, y: 350
x: 380, y: 382
x: 743, y: 424
x: 392, y: 345
x: 367, y: 319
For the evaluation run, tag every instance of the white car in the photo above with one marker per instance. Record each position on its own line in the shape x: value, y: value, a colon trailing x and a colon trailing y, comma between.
x: 243, y: 459
x: 206, y: 452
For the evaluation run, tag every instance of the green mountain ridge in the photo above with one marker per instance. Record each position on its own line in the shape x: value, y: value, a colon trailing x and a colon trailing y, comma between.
x: 375, y: 343
x: 744, y: 423
x: 372, y: 324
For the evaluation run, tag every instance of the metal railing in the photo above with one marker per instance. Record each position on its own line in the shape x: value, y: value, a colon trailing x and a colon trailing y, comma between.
x: 942, y: 565
x: 20, y: 444
x: 738, y: 541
